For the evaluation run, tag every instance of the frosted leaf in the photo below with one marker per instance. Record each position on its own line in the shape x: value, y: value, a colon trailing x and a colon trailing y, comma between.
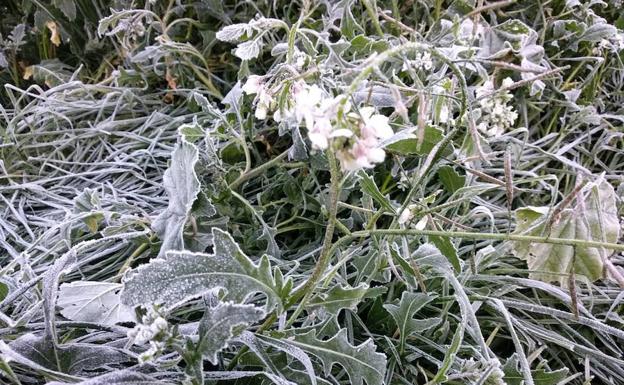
x: 594, y: 219
x: 182, y: 187
x: 403, y: 315
x: 122, y: 377
x: 234, y: 375
x: 91, y: 301
x: 233, y: 33
x: 361, y: 363
x: 74, y: 358
x: 249, y: 49
x: 340, y: 297
x: 216, y: 327
x: 289, y: 349
x: 182, y: 275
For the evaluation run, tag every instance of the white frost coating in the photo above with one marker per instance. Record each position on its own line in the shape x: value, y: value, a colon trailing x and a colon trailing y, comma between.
x: 403, y: 314
x: 361, y: 363
x: 183, y: 275
x: 182, y: 187
x: 216, y: 327
x: 91, y: 301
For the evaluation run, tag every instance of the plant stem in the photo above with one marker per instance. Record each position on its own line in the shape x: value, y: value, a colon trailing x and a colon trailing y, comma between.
x: 478, y: 236
x: 326, y: 249
x: 257, y: 171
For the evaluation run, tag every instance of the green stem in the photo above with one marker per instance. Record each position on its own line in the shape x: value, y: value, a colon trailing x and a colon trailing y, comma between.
x: 478, y: 236
x: 326, y: 249
x: 257, y: 171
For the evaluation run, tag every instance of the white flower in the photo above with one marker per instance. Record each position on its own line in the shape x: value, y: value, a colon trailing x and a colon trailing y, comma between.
x: 406, y: 215
x: 253, y: 85
x: 307, y: 101
x: 422, y: 61
x: 264, y: 104
x: 375, y: 125
x: 496, y: 115
x: 320, y: 133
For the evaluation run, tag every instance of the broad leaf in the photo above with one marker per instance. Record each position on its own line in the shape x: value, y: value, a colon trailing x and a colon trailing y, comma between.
x: 594, y: 218
x: 182, y: 187
x: 217, y: 326
x: 74, y: 358
x: 340, y: 297
x: 407, y: 147
x: 369, y: 187
x: 451, y: 180
x: 182, y: 275
x: 403, y: 315
x: 361, y: 363
x: 91, y: 301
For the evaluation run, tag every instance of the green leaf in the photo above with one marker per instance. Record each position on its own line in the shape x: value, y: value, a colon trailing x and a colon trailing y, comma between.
x: 448, y: 249
x: 369, y: 187
x: 361, y: 363
x: 91, y: 301
x: 68, y: 7
x: 217, y: 326
x: 451, y: 180
x: 403, y: 315
x: 405, y: 147
x: 182, y: 187
x: 4, y: 291
x: 594, y: 219
x: 182, y: 275
x: 340, y: 297
x: 513, y: 376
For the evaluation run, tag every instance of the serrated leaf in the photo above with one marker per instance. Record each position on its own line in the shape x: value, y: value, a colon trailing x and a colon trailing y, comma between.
x: 513, y: 376
x: 361, y: 363
x: 451, y: 180
x: 595, y: 218
x: 369, y: 187
x: 340, y: 297
x: 182, y: 275
x: 182, y: 187
x: 91, y: 301
x: 403, y: 315
x: 217, y: 326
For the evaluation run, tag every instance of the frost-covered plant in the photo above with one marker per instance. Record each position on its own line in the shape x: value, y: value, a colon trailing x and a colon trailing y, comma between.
x: 330, y: 192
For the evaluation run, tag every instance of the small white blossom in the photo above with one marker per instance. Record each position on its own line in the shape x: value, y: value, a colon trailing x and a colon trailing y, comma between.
x: 265, y: 100
x: 406, y: 215
x: 496, y: 115
x: 422, y: 61
x: 253, y: 85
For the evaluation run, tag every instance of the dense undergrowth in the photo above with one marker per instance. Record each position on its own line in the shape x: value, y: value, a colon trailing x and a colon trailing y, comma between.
x: 331, y: 192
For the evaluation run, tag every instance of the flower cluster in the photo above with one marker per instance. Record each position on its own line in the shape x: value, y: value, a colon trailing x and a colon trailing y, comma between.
x: 497, y: 116
x: 152, y: 330
x: 357, y: 134
x: 422, y: 61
